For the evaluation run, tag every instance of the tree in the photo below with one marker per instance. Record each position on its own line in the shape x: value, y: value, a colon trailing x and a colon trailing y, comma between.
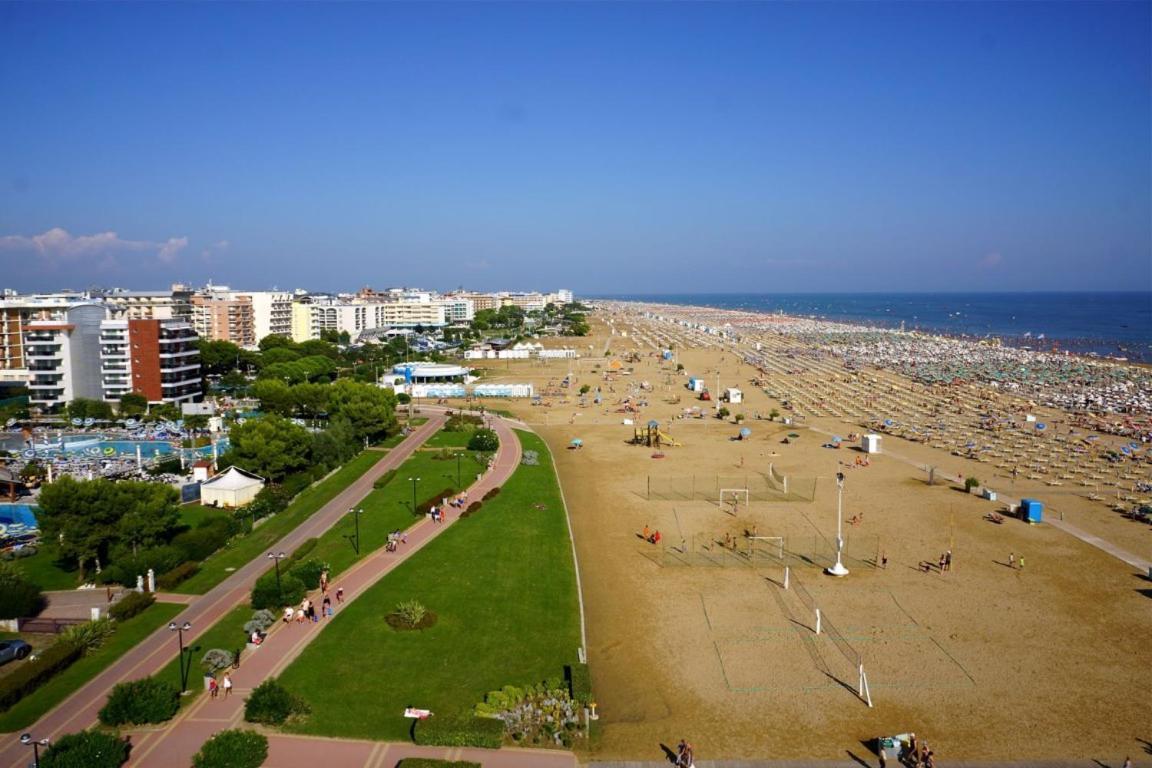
x: 232, y: 749
x: 319, y: 348
x: 86, y: 749
x: 233, y: 381
x: 335, y: 445
x: 310, y: 400
x: 371, y: 411
x: 280, y: 355
x: 274, y: 340
x: 84, y: 408
x: 19, y: 597
x: 484, y: 440
x: 218, y: 357
x: 274, y: 395
x: 150, y: 513
x: 271, y: 447
x: 133, y: 404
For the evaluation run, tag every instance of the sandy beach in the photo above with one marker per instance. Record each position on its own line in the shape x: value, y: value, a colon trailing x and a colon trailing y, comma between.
x: 1045, y: 656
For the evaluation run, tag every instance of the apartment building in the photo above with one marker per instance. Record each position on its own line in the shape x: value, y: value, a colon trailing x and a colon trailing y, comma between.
x: 223, y: 315
x: 62, y: 355
x: 175, y: 304
x: 271, y: 313
x: 156, y: 358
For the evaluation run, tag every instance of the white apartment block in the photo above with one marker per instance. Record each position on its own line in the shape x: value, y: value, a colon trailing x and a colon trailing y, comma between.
x: 458, y: 310
x: 271, y: 313
x: 62, y: 355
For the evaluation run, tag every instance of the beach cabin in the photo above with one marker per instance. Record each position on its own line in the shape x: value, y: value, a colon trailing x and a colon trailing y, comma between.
x: 733, y: 395
x: 1031, y: 511
x: 870, y: 443
x: 231, y: 488
x: 695, y: 384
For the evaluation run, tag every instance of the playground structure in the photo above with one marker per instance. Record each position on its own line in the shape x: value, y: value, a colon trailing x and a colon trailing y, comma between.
x: 652, y: 437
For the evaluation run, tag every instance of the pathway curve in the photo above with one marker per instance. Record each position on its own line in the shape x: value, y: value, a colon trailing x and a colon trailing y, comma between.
x: 78, y: 711
x: 175, y: 744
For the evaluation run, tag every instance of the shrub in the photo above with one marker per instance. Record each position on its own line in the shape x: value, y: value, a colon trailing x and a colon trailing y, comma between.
x: 19, y: 597
x: 90, y: 635
x: 87, y: 749
x: 177, y: 575
x: 308, y: 572
x: 579, y: 683
x: 233, y: 749
x: 484, y: 440
x: 773, y: 415
x: 265, y: 594
x: 211, y: 534
x: 433, y: 762
x: 434, y: 501
x: 403, y: 398
x: 126, y: 566
x: 138, y: 702
x: 722, y: 413
x: 492, y: 494
x: 36, y: 671
x: 131, y: 605
x: 472, y: 509
x: 384, y: 479
x: 971, y: 483
x: 272, y: 704
x: 261, y: 620
x: 410, y: 615
x: 216, y: 660
x: 460, y: 732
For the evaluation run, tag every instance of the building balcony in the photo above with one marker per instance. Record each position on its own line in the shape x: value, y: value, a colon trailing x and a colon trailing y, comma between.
x: 43, y: 351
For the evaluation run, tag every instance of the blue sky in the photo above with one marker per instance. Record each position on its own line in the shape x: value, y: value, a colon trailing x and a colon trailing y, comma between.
x: 603, y: 147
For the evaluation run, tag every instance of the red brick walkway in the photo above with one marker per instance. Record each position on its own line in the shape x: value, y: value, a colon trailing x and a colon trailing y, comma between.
x: 154, y: 652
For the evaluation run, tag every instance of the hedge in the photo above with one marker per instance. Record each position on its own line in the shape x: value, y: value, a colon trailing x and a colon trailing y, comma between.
x: 308, y: 572
x: 384, y: 479
x: 19, y: 597
x: 579, y: 683
x: 233, y: 749
x: 266, y: 595
x: 210, y: 535
x: 434, y: 501
x: 34, y: 672
x: 472, y: 509
x: 491, y: 494
x: 180, y: 573
x: 485, y: 732
x: 432, y: 762
x: 130, y: 605
x: 138, y: 702
x: 87, y: 749
x: 271, y: 704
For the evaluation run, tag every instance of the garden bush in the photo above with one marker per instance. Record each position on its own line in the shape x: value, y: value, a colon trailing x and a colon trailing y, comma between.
x: 90, y: 635
x: 432, y: 762
x: 491, y: 494
x: 472, y: 509
x: 308, y: 571
x: 434, y: 501
x: 460, y: 732
x: 126, y: 565
x: 86, y: 749
x: 272, y: 704
x: 207, y: 537
x: 19, y: 597
x: 484, y: 440
x: 34, y: 672
x: 138, y: 702
x: 579, y: 683
x: 131, y: 605
x: 971, y: 483
x: 177, y: 575
x: 260, y: 621
x: 215, y: 660
x: 233, y: 749
x: 265, y: 594
x: 384, y: 479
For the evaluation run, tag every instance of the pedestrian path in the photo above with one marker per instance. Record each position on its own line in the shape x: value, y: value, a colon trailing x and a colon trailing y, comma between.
x: 79, y: 710
x: 179, y: 741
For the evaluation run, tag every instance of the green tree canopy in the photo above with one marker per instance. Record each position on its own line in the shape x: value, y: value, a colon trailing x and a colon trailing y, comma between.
x: 274, y: 340
x: 84, y: 408
x: 274, y: 395
x: 133, y: 404
x: 371, y: 411
x: 19, y: 597
x: 219, y: 357
x: 271, y: 447
x: 279, y: 355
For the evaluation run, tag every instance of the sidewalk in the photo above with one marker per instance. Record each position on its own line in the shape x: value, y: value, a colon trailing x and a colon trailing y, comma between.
x: 79, y: 710
x: 175, y: 744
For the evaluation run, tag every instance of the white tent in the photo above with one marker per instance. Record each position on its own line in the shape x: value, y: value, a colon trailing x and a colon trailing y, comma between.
x: 231, y: 488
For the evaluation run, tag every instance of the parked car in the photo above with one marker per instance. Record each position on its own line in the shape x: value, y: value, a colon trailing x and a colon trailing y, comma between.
x: 13, y: 649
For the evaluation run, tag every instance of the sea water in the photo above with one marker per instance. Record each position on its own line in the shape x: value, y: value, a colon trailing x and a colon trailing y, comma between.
x: 1105, y: 324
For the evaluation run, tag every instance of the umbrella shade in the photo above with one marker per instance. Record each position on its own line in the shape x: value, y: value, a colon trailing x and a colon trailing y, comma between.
x: 577, y: 441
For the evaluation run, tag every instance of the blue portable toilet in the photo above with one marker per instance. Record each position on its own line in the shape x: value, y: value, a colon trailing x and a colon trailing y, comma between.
x: 1031, y: 511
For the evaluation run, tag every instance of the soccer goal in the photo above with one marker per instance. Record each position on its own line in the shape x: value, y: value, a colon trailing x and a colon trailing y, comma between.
x: 772, y: 546
x: 730, y: 500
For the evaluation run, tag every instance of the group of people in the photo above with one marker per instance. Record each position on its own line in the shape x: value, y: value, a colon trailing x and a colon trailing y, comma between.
x: 918, y: 755
x: 214, y: 686
x: 395, y: 539
x: 684, y: 756
x: 651, y: 536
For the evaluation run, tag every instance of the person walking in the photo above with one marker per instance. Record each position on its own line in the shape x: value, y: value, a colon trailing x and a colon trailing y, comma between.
x: 1011, y: 559
x: 1021, y: 562
x: 227, y: 685
x: 339, y: 594
x: 948, y: 560
x: 884, y: 560
x: 883, y: 758
x: 213, y: 687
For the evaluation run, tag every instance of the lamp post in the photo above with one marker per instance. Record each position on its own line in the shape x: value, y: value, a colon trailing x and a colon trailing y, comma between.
x: 414, y: 481
x: 180, y: 629
x: 27, y: 740
x: 277, y: 557
x: 356, y: 517
x: 838, y: 569
x: 458, y: 455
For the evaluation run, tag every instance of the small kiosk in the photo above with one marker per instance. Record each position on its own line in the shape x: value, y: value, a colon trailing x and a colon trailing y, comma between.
x: 870, y: 443
x: 1031, y: 511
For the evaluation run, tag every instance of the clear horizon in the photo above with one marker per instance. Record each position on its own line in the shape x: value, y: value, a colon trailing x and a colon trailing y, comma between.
x: 624, y: 148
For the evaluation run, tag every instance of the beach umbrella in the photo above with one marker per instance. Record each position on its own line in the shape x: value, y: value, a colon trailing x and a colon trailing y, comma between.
x: 745, y: 432
x: 1041, y: 426
x: 77, y: 422
x: 577, y: 442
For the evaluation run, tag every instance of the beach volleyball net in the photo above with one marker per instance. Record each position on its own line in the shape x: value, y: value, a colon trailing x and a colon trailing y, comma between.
x: 767, y: 551
x: 753, y: 486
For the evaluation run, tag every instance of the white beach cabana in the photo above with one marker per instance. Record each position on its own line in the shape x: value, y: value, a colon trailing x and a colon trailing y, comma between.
x: 231, y: 488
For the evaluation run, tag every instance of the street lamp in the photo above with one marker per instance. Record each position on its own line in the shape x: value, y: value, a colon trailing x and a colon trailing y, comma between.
x: 180, y: 629
x: 27, y: 740
x: 414, y: 481
x: 356, y: 516
x: 277, y: 557
x: 838, y: 569
x: 458, y: 455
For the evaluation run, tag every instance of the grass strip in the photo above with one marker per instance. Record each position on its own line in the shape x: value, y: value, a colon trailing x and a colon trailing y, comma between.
x: 128, y: 633
x: 503, y: 585
x: 217, y: 567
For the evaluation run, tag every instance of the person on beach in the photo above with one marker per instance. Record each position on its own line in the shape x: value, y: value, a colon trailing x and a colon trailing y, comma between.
x: 948, y: 560
x: 1021, y: 562
x: 940, y: 565
x: 1012, y: 560
x: 884, y: 560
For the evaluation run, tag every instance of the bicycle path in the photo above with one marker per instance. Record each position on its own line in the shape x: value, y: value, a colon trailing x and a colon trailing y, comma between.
x: 79, y: 711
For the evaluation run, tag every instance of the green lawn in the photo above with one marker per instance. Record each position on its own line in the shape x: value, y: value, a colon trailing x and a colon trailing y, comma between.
x: 128, y: 634
x: 444, y: 439
x: 194, y: 513
x: 217, y: 567
x: 503, y: 584
x: 43, y: 571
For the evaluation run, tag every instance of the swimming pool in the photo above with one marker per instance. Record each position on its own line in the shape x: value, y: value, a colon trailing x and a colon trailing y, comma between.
x: 17, y: 519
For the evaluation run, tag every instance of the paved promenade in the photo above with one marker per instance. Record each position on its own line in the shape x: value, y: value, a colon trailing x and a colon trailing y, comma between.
x: 79, y: 710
